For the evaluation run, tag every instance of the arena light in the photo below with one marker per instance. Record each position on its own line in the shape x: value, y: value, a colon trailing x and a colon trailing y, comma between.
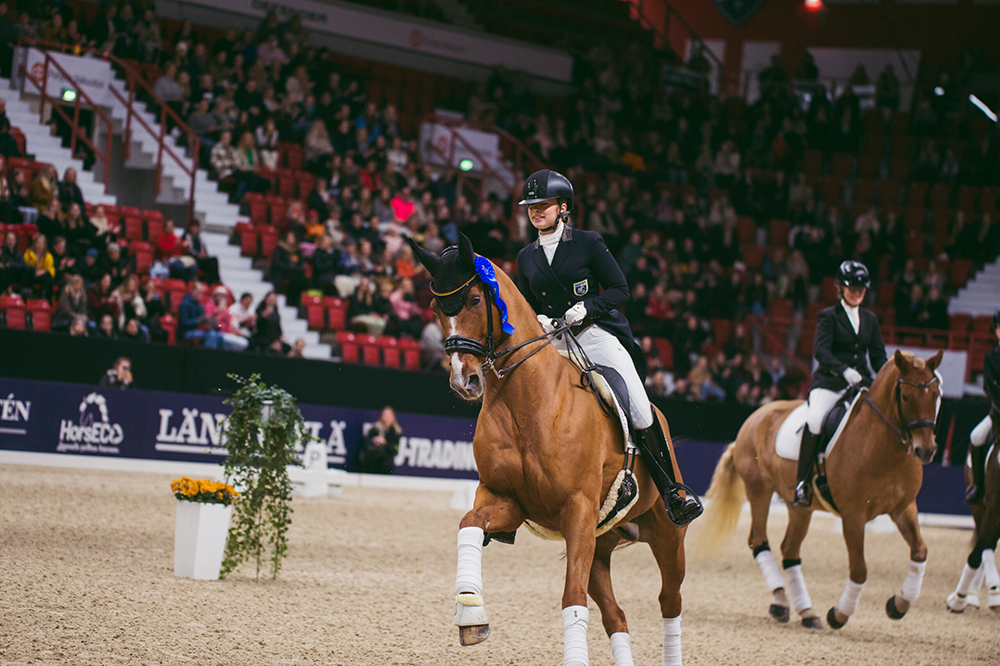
x: 814, y: 5
x: 465, y: 165
x: 939, y: 91
x: 982, y: 107
x: 68, y: 95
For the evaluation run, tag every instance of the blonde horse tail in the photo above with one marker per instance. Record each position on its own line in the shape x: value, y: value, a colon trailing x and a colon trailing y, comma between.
x: 726, y: 496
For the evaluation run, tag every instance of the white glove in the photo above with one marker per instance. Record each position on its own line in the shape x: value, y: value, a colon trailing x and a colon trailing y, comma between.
x: 576, y: 314
x: 546, y: 323
x: 852, y: 376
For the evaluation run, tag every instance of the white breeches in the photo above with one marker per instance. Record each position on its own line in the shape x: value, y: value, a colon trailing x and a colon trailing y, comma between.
x: 603, y: 348
x: 820, y: 402
x: 981, y: 432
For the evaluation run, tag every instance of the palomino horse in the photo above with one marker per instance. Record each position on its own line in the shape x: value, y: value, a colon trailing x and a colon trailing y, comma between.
x: 545, y: 453
x: 874, y: 468
x: 986, y: 514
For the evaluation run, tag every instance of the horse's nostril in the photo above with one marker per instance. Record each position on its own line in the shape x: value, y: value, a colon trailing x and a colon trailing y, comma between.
x: 472, y: 382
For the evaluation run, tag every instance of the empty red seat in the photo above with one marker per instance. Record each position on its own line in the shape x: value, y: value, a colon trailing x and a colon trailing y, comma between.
x: 286, y: 183
x: 306, y: 183
x: 315, y: 313
x: 940, y: 195
x: 133, y: 228
x: 745, y: 228
x: 130, y: 211
x: 14, y: 312
x: 781, y: 308
x: 151, y: 214
x: 778, y: 233
x: 349, y: 347
x: 753, y: 256
x: 666, y: 350
x: 371, y: 354
x: 411, y: 353
x: 41, y: 314
x: 812, y: 162
x: 960, y: 269
x: 248, y: 240
x: 268, y: 241
x: 391, y: 352
x: 169, y: 325
x: 154, y: 229
x: 888, y: 193
x: 144, y: 255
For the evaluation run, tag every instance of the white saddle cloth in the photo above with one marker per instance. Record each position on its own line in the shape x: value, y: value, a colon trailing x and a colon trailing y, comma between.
x: 790, y: 432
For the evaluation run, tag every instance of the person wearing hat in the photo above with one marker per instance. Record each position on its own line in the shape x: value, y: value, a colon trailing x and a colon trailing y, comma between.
x: 981, y: 433
x: 847, y: 337
x: 570, y: 274
x: 217, y: 315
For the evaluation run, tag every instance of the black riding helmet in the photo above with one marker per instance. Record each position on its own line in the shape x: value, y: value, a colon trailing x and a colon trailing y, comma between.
x: 544, y: 185
x: 853, y: 274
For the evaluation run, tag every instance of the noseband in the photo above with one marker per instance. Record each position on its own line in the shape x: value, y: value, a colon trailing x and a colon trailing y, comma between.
x: 903, y: 434
x: 488, y: 351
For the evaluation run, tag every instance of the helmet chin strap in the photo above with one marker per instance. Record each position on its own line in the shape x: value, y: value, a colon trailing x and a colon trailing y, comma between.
x: 562, y: 217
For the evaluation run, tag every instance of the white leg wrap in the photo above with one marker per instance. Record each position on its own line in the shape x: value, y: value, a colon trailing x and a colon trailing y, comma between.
x: 977, y: 580
x: 672, y: 641
x: 849, y: 599
x: 470, y: 560
x: 914, y: 578
x: 797, y: 589
x: 958, y: 600
x: 621, y: 648
x: 989, y: 568
x: 469, y: 608
x: 575, y: 621
x: 772, y: 577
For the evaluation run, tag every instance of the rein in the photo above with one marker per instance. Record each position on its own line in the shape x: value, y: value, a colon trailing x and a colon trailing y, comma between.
x: 903, y: 435
x: 488, y: 350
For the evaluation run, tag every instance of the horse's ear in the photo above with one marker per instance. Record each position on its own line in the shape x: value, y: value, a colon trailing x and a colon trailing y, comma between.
x: 934, y: 361
x: 466, y: 255
x: 902, y: 362
x: 428, y: 259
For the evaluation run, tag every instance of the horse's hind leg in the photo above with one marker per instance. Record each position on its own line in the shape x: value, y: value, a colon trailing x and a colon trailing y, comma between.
x: 906, y: 521
x: 759, y: 495
x: 611, y: 613
x: 667, y: 544
x: 490, y: 512
x: 791, y: 554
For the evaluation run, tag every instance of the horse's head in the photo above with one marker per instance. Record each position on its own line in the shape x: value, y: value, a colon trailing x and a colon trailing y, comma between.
x: 918, y: 398
x: 468, y: 315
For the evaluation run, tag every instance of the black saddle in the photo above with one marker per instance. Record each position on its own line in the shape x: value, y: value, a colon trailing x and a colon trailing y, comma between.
x: 833, y: 417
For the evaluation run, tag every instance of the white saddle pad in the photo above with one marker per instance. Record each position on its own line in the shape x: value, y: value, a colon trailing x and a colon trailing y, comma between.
x: 790, y: 432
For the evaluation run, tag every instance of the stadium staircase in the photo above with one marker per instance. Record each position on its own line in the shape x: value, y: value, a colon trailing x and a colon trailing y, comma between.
x: 211, y: 207
x: 981, y: 296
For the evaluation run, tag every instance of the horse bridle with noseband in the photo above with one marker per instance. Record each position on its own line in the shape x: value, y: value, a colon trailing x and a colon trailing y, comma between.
x: 903, y: 434
x: 488, y: 351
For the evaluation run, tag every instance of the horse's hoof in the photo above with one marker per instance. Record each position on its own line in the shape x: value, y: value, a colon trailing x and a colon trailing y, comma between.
x: 779, y: 613
x: 831, y: 619
x: 891, y: 610
x: 812, y: 623
x: 956, y: 604
x: 473, y: 635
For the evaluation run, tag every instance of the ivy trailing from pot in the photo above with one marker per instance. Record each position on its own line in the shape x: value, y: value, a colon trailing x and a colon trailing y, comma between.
x: 262, y: 435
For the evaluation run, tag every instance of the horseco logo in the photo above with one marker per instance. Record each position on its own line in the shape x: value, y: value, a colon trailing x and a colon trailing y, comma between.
x: 93, y: 432
x: 580, y: 288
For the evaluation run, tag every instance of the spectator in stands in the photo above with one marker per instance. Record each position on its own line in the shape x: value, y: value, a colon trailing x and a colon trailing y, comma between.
x: 114, y: 264
x: 326, y: 266
x: 105, y: 230
x: 297, y: 349
x: 242, y: 316
x: 204, y: 124
x: 223, y: 159
x: 217, y: 313
x: 887, y: 90
x: 207, y: 265
x: 288, y: 270
x: 406, y: 318
x: 267, y: 324
x: 64, y: 262
x: 317, y: 148
x: 89, y: 268
x: 7, y: 204
x: 79, y: 327
x: 148, y: 37
x: 247, y: 163
x: 69, y: 191
x: 54, y: 31
x: 133, y: 332
x: 106, y: 329
x: 99, y: 299
x: 12, y: 266
x: 50, y: 222
x: 41, y: 268
x: 72, y: 303
x: 153, y: 301
x: 380, y: 444
x: 368, y: 309
x: 43, y: 188
x: 267, y: 143
x: 103, y: 32
x: 173, y: 253
x: 119, y: 376
x: 192, y: 323
x: 129, y: 301
x: 169, y: 90
x: 76, y: 230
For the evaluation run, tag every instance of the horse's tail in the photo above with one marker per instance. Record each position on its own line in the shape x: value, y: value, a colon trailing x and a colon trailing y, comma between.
x: 726, y: 496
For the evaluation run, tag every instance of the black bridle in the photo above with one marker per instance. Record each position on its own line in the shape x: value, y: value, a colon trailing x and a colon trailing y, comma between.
x: 903, y: 431
x: 488, y: 350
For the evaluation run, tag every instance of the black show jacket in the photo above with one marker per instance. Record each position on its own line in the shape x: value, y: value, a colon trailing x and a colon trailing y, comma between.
x: 837, y: 347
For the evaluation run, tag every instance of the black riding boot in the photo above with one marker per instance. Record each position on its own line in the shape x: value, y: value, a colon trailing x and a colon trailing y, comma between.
x: 974, y: 493
x: 656, y: 455
x: 807, y: 455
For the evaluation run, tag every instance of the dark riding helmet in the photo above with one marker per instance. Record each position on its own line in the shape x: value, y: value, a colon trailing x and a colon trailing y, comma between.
x: 853, y: 274
x: 544, y: 185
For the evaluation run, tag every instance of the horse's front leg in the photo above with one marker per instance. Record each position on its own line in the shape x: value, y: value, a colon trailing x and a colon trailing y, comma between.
x: 577, y: 523
x: 854, y: 537
x: 493, y: 513
x: 906, y: 521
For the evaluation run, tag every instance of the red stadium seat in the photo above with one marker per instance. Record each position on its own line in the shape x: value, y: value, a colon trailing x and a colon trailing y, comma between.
x: 14, y: 311
x: 888, y: 193
x: 349, y: 347
x: 812, y: 162
x: 916, y: 195
x: 868, y: 166
x: 133, y: 228
x: 720, y: 330
x: 268, y: 241
x: 286, y: 184
x: 306, y: 183
x: 144, y: 256
x: 753, y: 256
x: 864, y: 191
x: 391, y: 352
x: 781, y: 308
x: 940, y: 195
x: 778, y: 233
x: 336, y: 313
x: 248, y: 239
x: 988, y: 199
x: 745, y: 227
x: 154, y: 229
x: 169, y: 325
x: 411, y: 353
x: 960, y: 269
x: 130, y: 211
x: 41, y: 314
x: 840, y: 165
x: 967, y: 196
x: 152, y: 215
x: 315, y: 313
x: 371, y: 353
x: 666, y: 350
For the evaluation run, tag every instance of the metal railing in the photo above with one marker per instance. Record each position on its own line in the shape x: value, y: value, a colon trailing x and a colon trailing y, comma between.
x: 133, y: 79
x: 77, y: 132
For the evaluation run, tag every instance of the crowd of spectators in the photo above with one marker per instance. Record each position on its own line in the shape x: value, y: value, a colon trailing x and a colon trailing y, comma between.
x: 663, y: 173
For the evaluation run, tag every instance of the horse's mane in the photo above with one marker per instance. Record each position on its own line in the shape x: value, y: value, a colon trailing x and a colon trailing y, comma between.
x: 520, y: 314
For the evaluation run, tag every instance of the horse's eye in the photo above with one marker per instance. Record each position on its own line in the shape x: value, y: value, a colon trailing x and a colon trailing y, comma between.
x: 475, y: 300
x: 905, y: 399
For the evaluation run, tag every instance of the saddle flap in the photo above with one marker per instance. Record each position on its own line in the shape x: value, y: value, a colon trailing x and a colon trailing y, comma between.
x: 836, y: 414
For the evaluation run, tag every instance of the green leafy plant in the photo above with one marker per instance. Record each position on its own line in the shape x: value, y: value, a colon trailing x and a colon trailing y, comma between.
x: 261, y: 436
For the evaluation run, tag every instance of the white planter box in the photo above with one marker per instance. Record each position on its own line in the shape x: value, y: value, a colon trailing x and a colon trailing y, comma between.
x: 200, y: 539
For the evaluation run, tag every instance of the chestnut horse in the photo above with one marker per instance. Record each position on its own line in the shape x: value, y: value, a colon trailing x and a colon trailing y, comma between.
x: 982, y: 562
x: 874, y: 468
x: 546, y: 453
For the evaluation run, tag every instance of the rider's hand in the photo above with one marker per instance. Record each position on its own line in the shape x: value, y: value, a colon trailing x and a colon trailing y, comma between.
x: 852, y: 376
x: 576, y: 314
x: 547, y: 324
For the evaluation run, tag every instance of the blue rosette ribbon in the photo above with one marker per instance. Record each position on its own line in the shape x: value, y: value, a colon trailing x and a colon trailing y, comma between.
x: 489, y: 277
